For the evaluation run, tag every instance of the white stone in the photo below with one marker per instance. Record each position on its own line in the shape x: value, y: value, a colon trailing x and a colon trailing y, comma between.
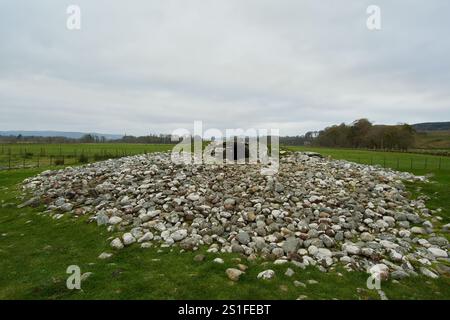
x: 117, y: 244
x: 312, y: 250
x: 105, y: 255
x: 146, y: 237
x: 427, y: 224
x: 289, y: 272
x: 234, y: 274
x: 388, y: 244
x: 179, y: 235
x: 382, y: 224
x: 266, y: 274
x: 424, y: 243
x: 323, y: 253
x: 115, y: 220
x: 428, y: 273
x: 366, y: 236
x: 351, y: 248
x: 153, y: 213
x: 418, y: 230
x: 380, y: 271
x: 395, y: 256
x: 345, y: 259
x: 404, y: 233
x: 276, y: 213
x: 128, y: 239
x: 165, y: 234
x: 193, y: 197
x: 424, y: 261
x: 438, y: 253
x: 389, y: 220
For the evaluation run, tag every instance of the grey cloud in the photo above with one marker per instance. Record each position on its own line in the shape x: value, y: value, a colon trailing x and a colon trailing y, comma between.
x: 154, y: 66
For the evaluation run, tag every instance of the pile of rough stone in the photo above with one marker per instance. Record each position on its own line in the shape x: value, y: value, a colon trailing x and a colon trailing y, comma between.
x: 314, y: 211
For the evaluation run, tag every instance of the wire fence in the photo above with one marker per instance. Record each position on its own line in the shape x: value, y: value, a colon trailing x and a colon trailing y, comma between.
x: 406, y: 163
x: 37, y: 156
x: 26, y: 159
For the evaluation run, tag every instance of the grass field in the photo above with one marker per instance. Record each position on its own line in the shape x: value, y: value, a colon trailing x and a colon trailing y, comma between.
x: 36, y: 250
x: 31, y: 155
x: 412, y: 162
x: 433, y: 140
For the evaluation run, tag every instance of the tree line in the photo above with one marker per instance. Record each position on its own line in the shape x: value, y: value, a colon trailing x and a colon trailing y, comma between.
x: 299, y: 140
x: 359, y: 134
x: 90, y: 138
x: 363, y: 134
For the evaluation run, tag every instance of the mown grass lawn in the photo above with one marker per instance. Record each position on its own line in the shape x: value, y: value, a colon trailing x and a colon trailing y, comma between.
x: 36, y: 250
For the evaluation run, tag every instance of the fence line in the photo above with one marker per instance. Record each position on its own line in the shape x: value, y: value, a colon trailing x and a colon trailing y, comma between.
x: 25, y: 158
x: 405, y: 163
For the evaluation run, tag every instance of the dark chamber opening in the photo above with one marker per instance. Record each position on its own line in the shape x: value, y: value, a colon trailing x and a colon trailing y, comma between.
x: 231, y: 147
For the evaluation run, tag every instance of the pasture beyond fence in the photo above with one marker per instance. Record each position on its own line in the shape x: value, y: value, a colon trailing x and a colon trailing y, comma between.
x: 18, y: 156
x: 405, y: 164
x: 34, y: 155
x: 401, y: 161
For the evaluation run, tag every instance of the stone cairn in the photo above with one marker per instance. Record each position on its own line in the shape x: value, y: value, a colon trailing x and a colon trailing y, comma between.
x: 314, y: 211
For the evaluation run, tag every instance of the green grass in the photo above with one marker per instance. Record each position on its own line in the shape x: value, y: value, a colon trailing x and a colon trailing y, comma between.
x: 36, y: 250
x: 25, y: 155
x: 412, y: 162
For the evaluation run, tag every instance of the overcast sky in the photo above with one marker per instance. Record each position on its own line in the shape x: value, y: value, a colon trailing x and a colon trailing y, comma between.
x: 156, y: 65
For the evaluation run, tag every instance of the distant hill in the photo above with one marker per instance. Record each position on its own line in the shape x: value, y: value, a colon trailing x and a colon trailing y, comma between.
x: 71, y: 135
x: 432, y: 126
